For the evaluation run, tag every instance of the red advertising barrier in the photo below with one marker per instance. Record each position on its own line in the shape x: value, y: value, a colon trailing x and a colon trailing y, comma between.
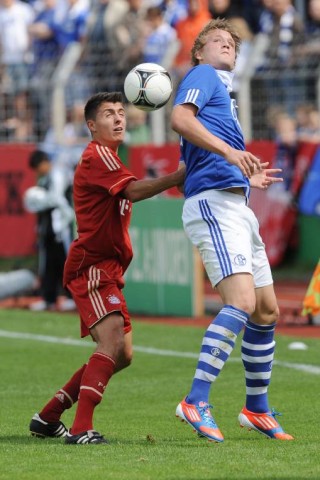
x: 263, y: 149
x: 274, y: 209
x: 149, y: 161
x: 17, y: 227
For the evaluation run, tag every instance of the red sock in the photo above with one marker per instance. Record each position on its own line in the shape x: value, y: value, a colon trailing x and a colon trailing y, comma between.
x: 64, y: 398
x: 99, y: 370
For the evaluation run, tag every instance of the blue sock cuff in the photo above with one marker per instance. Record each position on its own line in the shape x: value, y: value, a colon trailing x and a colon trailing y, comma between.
x: 232, y: 318
x: 261, y: 328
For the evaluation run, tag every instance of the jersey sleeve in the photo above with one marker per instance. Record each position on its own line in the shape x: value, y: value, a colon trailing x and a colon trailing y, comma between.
x: 107, y: 170
x: 197, y: 87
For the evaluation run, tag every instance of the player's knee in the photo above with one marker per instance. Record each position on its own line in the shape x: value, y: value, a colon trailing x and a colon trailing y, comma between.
x: 273, y: 316
x: 246, y: 305
x: 268, y: 316
x: 124, y: 360
x: 127, y: 360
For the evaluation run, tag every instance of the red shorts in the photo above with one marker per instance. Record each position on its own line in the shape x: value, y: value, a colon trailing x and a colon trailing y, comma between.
x: 96, y: 295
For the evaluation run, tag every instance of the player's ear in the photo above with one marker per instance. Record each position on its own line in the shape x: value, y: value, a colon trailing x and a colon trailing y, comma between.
x: 198, y: 55
x: 91, y: 125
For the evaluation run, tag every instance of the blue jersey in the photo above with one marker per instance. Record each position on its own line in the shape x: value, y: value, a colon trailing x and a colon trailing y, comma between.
x: 217, y: 112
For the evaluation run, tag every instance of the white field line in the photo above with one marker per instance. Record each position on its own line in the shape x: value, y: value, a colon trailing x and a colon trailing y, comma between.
x: 303, y: 367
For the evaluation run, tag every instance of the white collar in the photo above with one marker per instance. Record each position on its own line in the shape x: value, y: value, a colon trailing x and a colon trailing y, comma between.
x: 226, y: 78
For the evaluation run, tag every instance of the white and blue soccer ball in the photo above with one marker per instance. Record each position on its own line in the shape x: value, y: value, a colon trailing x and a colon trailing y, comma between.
x: 148, y: 86
x: 35, y: 199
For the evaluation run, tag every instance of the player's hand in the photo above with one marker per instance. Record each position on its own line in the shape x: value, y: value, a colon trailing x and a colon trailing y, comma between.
x: 246, y: 161
x: 264, y: 178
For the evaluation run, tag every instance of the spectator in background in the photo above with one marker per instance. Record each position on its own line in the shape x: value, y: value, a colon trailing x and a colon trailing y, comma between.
x: 187, y: 30
x: 281, y: 82
x: 242, y: 27
x: 127, y: 41
x: 226, y: 9
x: 311, y: 48
x: 287, y: 30
x: 307, y: 53
x: 97, y: 57
x: 45, y: 49
x: 65, y: 156
x: 308, y: 123
x: 286, y: 148
x: 70, y: 22
x: 159, y: 39
x: 138, y: 130
x: 69, y: 27
x: 15, y: 18
x: 174, y: 10
x: 55, y: 228
x: 258, y: 15
x: 265, y: 19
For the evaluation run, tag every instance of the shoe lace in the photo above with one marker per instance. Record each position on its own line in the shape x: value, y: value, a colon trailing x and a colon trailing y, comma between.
x: 274, y: 413
x: 206, y: 415
x: 97, y: 435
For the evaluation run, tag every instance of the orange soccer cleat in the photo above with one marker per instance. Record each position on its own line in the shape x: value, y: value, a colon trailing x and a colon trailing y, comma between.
x: 200, y: 418
x: 264, y: 423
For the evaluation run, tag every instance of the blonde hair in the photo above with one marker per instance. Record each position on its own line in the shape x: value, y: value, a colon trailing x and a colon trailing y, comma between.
x: 217, y: 24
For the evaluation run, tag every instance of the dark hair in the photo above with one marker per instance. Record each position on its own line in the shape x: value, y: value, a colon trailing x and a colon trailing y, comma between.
x: 153, y: 12
x: 217, y: 24
x: 37, y: 157
x: 94, y: 102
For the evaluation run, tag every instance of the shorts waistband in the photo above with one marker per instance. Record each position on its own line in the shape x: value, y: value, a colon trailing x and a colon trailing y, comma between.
x: 217, y: 195
x: 236, y: 190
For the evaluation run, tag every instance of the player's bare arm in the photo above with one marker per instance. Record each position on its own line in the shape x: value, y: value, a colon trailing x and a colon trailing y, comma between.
x: 141, y: 189
x: 264, y: 178
x: 184, y: 122
x: 181, y: 186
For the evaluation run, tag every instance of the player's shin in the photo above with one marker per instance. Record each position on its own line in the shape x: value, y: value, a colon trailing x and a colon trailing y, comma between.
x: 257, y: 351
x: 218, y: 342
x: 99, y: 370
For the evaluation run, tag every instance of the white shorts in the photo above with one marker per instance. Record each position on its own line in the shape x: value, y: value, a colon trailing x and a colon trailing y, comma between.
x: 226, y: 233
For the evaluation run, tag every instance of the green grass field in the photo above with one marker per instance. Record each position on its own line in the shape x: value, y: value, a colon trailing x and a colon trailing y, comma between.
x: 137, y: 414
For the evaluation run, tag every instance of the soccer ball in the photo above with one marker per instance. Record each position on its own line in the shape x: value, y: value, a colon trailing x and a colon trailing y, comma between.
x: 35, y: 199
x: 148, y: 86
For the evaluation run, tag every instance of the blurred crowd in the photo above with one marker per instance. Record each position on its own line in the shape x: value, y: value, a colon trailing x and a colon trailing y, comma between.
x: 116, y: 35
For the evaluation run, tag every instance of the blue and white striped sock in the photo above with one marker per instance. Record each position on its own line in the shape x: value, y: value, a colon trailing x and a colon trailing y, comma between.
x: 217, y: 344
x: 257, y: 351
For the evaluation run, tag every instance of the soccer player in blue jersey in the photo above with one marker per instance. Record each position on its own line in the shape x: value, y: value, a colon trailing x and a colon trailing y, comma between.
x: 220, y: 224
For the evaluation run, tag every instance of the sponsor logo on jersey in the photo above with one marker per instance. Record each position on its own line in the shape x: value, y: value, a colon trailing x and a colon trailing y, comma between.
x: 125, y: 206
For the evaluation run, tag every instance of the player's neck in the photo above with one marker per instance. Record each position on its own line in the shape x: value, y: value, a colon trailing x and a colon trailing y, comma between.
x: 112, y: 146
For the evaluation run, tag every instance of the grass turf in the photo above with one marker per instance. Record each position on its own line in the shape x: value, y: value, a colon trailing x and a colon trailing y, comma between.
x: 137, y: 412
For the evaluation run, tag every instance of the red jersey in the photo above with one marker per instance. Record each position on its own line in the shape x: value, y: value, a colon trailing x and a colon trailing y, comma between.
x: 102, y: 215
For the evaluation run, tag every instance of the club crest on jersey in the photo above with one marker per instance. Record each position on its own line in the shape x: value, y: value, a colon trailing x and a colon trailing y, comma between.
x: 234, y: 107
x: 113, y: 299
x: 215, y: 352
x: 240, y: 260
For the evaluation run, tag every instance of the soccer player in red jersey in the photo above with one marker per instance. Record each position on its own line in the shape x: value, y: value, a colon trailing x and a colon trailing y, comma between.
x: 104, y: 190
